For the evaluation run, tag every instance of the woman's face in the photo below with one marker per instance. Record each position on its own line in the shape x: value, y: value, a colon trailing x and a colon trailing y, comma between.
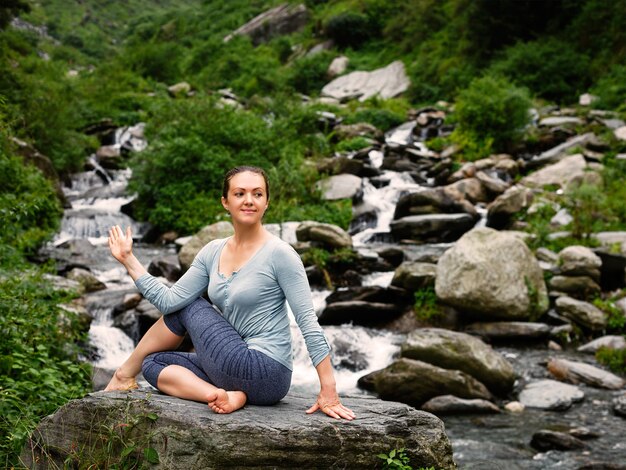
x: 247, y: 198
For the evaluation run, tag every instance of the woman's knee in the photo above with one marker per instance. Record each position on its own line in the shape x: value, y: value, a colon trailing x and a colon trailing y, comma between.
x: 151, y: 368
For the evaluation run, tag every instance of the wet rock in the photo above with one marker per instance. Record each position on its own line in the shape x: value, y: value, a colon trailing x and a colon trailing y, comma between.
x: 546, y: 440
x: 449, y: 404
x: 211, y: 232
x: 509, y: 330
x: 560, y: 151
x: 75, y: 308
x: 472, y: 189
x: 493, y: 185
x: 336, y: 187
x: 89, y: 282
x: 65, y: 284
x: 492, y: 274
x: 550, y: 395
x: 619, y: 406
x: 361, y: 129
x: 359, y: 312
x: 188, y: 435
x: 581, y: 313
x: 609, y: 342
x: 445, y: 200
x: 386, y: 295
x: 620, y: 133
x: 434, y: 226
x: 415, y: 382
x: 386, y: 82
x: 463, y: 352
x: 505, y: 206
x: 560, y: 121
x: 581, y: 287
x: 514, y: 407
x: 281, y: 20
x: 579, y: 372
x: 413, y: 275
x: 578, y: 260
x: 166, y: 266
x: 330, y: 236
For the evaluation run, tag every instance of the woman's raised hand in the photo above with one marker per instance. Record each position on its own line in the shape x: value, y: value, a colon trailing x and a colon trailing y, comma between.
x: 330, y: 404
x: 120, y: 244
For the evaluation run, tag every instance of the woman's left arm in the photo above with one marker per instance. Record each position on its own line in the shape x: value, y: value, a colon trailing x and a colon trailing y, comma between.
x: 328, y: 399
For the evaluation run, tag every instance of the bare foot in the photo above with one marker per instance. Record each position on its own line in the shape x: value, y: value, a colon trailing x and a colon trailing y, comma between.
x: 223, y: 402
x: 120, y: 382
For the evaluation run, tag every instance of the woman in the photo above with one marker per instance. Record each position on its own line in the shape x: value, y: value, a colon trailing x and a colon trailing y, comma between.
x: 243, y: 354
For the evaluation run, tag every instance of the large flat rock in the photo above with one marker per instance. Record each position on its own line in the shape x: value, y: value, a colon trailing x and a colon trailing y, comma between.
x: 188, y: 435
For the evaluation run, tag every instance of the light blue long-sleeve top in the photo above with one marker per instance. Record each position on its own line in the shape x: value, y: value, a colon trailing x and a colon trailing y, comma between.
x: 252, y: 299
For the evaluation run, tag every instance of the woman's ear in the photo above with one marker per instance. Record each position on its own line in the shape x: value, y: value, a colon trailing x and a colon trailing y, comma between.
x: 224, y: 202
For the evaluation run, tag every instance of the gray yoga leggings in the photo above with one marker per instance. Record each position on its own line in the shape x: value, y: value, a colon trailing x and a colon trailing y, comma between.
x: 222, y: 357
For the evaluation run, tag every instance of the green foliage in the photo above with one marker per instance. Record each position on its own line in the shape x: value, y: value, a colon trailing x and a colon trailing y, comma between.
x: 616, y: 320
x: 38, y: 355
x: 491, y: 115
x: 348, y: 29
x: 611, y: 89
x: 308, y: 74
x: 396, y: 459
x: 29, y: 207
x: 614, y: 359
x: 551, y: 68
x: 426, y: 306
x: 11, y: 8
x: 352, y: 145
x: 586, y: 204
x: 382, y: 119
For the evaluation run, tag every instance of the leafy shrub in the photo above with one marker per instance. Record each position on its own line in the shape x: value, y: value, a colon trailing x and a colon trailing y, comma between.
x: 348, y: 29
x: 491, y: 115
x: 551, y: 68
x: 611, y: 89
x: 38, y: 355
x: 382, y: 119
x: 614, y: 359
x: 28, y: 204
x: 586, y: 204
x: 353, y: 144
x: 426, y: 306
x: 308, y: 74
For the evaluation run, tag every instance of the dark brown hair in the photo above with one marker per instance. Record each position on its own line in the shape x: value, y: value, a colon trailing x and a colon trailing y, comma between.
x: 241, y: 169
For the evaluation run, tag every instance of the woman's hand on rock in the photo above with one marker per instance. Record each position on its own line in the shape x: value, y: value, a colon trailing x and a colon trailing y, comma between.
x: 120, y: 244
x: 330, y: 404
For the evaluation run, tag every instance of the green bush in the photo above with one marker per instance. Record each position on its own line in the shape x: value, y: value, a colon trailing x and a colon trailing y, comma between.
x: 38, y: 356
x: 611, y: 89
x: 28, y: 204
x: 348, y: 29
x: 491, y: 114
x: 551, y: 68
x: 308, y: 74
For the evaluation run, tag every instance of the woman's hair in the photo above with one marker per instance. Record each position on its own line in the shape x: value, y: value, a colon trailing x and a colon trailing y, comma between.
x: 241, y: 169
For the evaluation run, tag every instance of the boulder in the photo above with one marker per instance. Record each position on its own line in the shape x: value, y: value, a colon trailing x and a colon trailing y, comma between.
x: 620, y: 133
x: 186, y: 434
x: 550, y: 395
x: 337, y: 66
x: 505, y: 206
x: 433, y: 226
x: 546, y: 440
x: 386, y: 82
x: 209, y: 233
x: 492, y: 184
x: 445, y: 200
x: 342, y: 186
x: 560, y: 151
x: 609, y: 342
x: 463, y: 352
x: 578, y: 260
x: 509, y: 330
x: 493, y: 274
x: 179, y: 89
x: 328, y: 235
x: 577, y: 286
x: 471, y: 189
x: 412, y: 275
x: 283, y: 19
x: 360, y: 312
x: 577, y: 372
x: 167, y: 266
x: 554, y: 121
x: 415, y: 382
x: 581, y: 313
x: 89, y: 282
x: 449, y: 404
x: 385, y: 295
x: 559, y: 174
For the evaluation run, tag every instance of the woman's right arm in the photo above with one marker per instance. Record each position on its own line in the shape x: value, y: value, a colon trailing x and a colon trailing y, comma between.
x: 167, y: 299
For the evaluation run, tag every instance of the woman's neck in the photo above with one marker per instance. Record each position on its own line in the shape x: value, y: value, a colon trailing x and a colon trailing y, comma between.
x: 245, y: 235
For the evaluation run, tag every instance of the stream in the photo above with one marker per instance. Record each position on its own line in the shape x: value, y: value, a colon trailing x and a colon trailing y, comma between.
x: 498, y: 441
